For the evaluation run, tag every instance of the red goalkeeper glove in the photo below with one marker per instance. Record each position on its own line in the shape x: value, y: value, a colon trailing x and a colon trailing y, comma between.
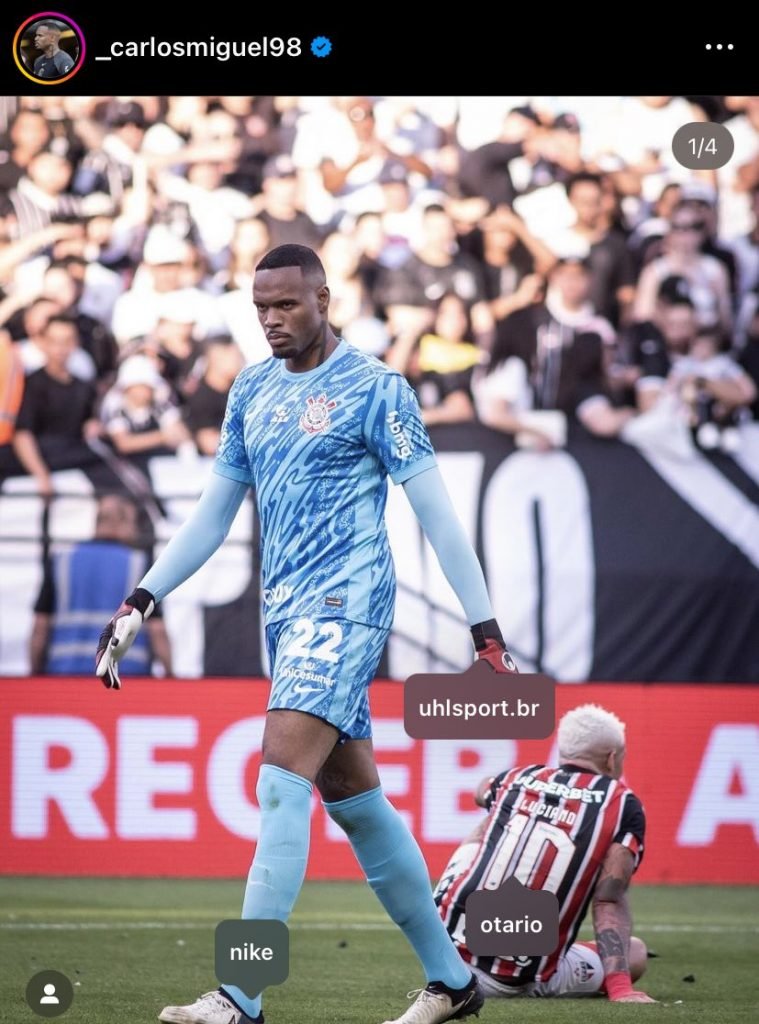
x: 118, y: 636
x: 490, y: 646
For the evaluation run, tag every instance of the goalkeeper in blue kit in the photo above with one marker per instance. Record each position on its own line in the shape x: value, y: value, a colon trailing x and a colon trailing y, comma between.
x: 316, y: 430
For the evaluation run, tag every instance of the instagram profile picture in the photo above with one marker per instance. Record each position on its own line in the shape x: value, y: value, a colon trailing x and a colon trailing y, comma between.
x: 49, y: 48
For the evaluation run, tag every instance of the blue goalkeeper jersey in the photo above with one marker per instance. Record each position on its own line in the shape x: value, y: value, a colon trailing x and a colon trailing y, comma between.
x: 318, y: 447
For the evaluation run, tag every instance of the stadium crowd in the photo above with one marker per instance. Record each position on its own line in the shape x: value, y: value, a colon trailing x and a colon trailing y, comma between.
x: 539, y: 264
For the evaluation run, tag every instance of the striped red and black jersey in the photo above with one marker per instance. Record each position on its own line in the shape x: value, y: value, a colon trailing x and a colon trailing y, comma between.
x: 551, y: 829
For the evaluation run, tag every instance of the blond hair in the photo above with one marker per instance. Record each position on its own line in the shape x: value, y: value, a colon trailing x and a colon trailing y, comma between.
x: 589, y: 731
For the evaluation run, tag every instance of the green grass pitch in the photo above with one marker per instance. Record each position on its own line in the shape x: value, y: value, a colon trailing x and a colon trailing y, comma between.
x: 132, y: 946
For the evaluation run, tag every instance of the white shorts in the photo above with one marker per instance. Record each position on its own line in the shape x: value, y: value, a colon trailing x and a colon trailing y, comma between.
x: 579, y: 973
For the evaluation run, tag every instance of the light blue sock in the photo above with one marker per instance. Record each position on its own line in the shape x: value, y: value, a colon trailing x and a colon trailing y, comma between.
x: 396, y: 871
x: 279, y: 864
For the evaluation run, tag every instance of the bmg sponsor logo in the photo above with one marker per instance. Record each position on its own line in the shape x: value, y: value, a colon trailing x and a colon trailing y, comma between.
x: 402, y: 443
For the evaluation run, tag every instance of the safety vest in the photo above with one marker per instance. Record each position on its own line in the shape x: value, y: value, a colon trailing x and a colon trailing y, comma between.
x: 91, y: 580
x: 11, y: 389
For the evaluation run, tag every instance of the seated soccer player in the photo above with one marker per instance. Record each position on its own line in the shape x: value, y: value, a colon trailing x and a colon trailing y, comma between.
x: 575, y: 830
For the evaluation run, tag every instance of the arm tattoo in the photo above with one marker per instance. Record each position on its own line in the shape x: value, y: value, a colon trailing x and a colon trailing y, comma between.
x: 611, y: 949
x: 611, y: 914
x: 610, y: 889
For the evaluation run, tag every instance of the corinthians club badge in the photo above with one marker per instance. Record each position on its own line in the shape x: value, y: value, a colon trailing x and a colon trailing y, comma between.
x: 316, y: 417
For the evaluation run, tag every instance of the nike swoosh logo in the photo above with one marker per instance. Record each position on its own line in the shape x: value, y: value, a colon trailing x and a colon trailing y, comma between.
x: 300, y: 688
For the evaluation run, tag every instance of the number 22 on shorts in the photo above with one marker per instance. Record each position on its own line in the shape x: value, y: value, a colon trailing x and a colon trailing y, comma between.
x: 305, y: 631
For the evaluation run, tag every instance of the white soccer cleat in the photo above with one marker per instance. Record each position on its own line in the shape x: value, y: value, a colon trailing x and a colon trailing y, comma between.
x: 437, y: 1003
x: 211, y: 1008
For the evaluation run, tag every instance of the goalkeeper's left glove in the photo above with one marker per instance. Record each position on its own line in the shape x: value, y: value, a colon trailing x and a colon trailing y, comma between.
x: 119, y: 635
x: 490, y: 646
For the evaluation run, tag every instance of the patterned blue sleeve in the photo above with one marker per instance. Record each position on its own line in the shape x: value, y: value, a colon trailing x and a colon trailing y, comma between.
x: 231, y: 456
x: 394, y: 431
